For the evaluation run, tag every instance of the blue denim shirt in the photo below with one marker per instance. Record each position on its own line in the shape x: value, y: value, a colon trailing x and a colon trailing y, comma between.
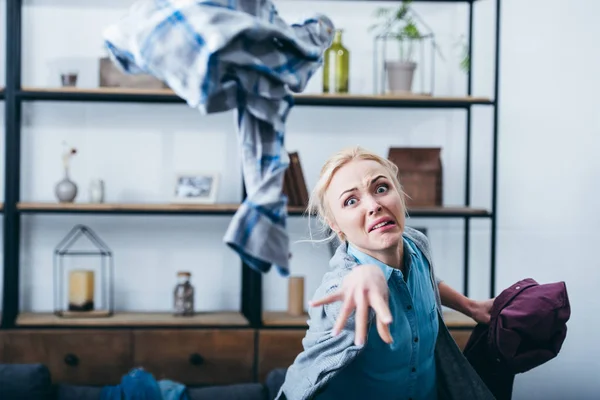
x: 404, y: 369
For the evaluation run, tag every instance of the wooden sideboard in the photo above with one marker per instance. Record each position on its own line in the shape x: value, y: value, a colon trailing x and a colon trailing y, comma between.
x: 202, y: 356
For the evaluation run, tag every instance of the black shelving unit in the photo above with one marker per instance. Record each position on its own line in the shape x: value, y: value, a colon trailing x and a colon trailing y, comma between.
x: 15, y: 95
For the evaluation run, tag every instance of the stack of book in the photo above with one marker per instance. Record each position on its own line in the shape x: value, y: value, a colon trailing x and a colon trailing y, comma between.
x: 294, y: 185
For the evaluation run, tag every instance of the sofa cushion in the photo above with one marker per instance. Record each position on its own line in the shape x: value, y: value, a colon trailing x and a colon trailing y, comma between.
x: 25, y: 381
x: 241, y: 391
x: 274, y: 380
x: 73, y: 392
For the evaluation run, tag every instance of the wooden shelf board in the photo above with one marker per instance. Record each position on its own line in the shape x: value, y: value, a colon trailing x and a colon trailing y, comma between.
x: 40, y: 206
x: 140, y: 319
x: 282, y: 318
x: 392, y: 97
x: 137, y: 207
x: 314, y: 99
x: 452, y: 319
x: 449, y: 210
x: 100, y: 90
x: 213, y: 208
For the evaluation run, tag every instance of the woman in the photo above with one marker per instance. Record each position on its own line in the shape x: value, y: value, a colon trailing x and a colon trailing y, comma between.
x: 384, y: 271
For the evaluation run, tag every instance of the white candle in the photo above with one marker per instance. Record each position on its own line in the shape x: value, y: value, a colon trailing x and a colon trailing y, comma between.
x: 81, y: 290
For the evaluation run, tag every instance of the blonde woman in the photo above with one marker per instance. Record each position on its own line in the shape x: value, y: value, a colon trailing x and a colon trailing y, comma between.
x: 375, y: 330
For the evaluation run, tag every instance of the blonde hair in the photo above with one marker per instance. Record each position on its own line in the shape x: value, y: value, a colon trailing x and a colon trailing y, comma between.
x: 317, y: 204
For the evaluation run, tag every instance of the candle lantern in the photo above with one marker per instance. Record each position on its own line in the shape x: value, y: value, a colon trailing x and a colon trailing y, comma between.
x: 83, y: 277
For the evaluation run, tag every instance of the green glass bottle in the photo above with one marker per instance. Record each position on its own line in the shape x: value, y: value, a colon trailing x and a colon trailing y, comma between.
x: 336, y: 66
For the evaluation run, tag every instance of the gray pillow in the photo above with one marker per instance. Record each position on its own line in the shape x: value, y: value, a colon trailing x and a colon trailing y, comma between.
x: 274, y: 381
x: 241, y: 391
x: 25, y: 381
x: 72, y: 392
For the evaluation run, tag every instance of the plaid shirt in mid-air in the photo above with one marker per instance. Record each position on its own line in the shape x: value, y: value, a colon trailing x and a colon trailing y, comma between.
x: 226, y: 55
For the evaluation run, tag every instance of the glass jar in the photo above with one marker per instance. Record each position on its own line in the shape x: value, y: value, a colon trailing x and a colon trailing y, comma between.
x: 183, y: 296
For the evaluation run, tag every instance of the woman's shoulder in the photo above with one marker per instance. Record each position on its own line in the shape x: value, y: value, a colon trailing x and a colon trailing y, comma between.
x: 418, y: 238
x: 340, y: 265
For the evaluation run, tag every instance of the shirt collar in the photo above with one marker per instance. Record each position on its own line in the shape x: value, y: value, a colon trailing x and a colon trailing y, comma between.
x: 363, y: 258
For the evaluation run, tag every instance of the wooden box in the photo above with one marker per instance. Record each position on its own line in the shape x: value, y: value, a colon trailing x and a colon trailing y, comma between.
x: 111, y: 76
x: 420, y: 174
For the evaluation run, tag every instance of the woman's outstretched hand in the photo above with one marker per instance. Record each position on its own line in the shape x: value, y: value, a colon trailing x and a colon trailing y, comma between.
x: 365, y: 286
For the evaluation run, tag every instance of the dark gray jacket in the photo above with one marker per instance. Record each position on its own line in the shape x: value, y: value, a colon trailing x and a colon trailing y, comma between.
x: 324, y: 354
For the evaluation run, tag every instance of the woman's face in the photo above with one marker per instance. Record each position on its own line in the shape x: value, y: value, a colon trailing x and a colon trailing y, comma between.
x: 366, y: 206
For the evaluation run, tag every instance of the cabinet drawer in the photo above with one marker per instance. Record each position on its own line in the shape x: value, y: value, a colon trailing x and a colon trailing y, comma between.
x: 84, y: 357
x: 196, y: 357
x: 278, y: 349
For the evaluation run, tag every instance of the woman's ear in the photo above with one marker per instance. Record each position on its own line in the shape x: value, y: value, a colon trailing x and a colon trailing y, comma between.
x: 334, y: 227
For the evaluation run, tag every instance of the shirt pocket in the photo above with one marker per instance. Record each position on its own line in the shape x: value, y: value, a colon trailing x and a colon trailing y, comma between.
x: 430, y: 331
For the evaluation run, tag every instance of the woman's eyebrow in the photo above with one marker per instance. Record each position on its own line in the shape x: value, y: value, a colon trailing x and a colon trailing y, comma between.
x: 372, y: 182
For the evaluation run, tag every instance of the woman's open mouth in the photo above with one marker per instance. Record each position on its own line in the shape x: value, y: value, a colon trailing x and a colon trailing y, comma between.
x: 382, y: 224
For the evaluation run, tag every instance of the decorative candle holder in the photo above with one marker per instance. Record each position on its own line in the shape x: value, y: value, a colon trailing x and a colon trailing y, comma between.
x: 296, y: 296
x: 83, y: 279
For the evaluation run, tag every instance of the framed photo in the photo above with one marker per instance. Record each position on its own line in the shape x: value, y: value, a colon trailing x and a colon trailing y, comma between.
x: 196, y: 187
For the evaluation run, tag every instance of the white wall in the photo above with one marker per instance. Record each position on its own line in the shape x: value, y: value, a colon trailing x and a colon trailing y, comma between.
x: 547, y: 163
x: 548, y: 199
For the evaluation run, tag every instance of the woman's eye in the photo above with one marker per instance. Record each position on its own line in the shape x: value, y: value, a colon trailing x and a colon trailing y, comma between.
x: 350, y: 202
x: 382, y: 189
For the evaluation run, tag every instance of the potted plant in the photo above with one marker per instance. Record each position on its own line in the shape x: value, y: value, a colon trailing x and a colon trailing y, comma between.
x: 465, y: 59
x: 399, y: 24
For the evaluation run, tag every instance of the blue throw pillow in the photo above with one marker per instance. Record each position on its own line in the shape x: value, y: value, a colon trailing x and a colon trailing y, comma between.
x: 25, y: 381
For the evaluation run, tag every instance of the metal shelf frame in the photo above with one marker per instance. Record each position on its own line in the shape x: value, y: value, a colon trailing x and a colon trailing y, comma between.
x: 14, y: 95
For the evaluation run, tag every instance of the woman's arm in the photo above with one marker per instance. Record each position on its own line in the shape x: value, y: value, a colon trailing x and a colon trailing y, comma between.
x: 366, y: 287
x: 478, y: 310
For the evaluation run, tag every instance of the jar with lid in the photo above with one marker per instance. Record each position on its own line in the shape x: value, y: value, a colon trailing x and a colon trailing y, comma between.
x: 183, y: 296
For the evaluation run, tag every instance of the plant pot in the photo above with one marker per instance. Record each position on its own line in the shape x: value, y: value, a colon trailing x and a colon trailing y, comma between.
x: 400, y: 75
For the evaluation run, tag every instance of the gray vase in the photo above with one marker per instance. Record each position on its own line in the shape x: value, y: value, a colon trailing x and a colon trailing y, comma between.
x: 66, y: 189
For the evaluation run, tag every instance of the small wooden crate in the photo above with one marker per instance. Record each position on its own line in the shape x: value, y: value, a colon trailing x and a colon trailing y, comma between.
x: 420, y: 174
x: 111, y: 76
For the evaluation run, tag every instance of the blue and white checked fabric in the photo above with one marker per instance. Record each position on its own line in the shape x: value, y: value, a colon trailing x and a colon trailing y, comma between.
x: 236, y: 55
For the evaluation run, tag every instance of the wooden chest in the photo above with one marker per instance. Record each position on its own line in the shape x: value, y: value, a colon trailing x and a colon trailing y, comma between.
x: 420, y: 174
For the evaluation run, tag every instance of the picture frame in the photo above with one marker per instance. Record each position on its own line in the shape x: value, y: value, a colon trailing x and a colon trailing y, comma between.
x: 195, y: 187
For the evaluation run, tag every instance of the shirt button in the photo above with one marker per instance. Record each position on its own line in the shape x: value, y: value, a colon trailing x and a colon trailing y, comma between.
x: 409, y: 307
x: 416, y: 339
x: 414, y: 369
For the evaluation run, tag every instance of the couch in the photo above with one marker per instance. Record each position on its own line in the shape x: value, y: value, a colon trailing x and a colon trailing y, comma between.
x: 33, y: 382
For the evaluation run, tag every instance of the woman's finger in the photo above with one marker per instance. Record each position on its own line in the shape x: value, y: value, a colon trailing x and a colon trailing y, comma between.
x: 384, y: 331
x: 381, y: 307
x: 362, y: 314
x: 347, y: 307
x: 328, y: 299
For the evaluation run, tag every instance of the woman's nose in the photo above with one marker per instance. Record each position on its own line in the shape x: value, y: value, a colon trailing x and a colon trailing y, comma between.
x: 374, y: 207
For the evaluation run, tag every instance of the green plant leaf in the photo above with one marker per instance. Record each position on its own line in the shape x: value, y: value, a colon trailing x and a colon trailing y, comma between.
x: 402, y: 12
x: 411, y: 30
